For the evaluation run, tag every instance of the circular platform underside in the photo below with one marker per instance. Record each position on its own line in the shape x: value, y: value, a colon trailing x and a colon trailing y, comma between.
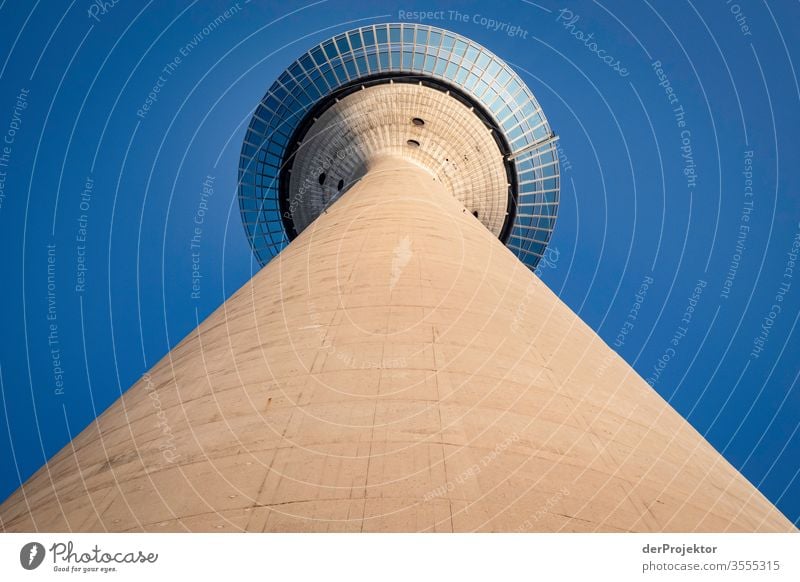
x: 424, y: 125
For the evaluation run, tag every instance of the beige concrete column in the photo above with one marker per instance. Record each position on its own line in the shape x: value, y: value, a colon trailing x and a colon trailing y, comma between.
x: 396, y: 368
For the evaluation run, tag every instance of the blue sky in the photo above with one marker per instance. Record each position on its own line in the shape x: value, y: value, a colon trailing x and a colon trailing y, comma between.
x: 677, y: 125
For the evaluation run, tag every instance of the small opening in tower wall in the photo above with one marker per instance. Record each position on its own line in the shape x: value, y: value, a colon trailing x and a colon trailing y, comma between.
x: 321, y: 178
x: 418, y: 121
x: 340, y: 185
x: 475, y: 213
x: 413, y: 143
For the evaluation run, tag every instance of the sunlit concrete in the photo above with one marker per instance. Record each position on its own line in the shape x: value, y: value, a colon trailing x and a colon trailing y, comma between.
x: 396, y: 368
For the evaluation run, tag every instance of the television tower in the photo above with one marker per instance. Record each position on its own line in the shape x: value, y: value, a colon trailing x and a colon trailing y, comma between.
x: 396, y: 365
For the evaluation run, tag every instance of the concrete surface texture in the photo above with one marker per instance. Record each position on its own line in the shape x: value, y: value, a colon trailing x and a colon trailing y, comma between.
x: 395, y: 368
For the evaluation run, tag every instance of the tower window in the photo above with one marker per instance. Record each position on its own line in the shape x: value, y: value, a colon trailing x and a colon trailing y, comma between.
x: 321, y: 178
x: 418, y: 121
x: 340, y: 185
x: 413, y: 143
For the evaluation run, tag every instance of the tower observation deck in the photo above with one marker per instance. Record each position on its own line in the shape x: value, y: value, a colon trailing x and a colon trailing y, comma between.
x: 410, y: 91
x: 395, y: 365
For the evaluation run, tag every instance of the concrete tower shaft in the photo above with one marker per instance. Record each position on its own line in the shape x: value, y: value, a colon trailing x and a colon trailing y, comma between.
x: 396, y: 368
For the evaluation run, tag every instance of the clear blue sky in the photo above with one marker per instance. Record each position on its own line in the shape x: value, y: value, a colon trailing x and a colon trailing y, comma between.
x: 648, y: 192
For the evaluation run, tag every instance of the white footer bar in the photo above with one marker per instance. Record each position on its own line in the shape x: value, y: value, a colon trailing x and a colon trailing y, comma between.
x: 407, y: 557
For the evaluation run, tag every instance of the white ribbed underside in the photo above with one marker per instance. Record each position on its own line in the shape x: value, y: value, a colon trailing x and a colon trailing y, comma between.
x: 454, y: 146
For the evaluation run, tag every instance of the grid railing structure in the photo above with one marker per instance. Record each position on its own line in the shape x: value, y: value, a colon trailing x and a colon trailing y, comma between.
x: 391, y: 49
